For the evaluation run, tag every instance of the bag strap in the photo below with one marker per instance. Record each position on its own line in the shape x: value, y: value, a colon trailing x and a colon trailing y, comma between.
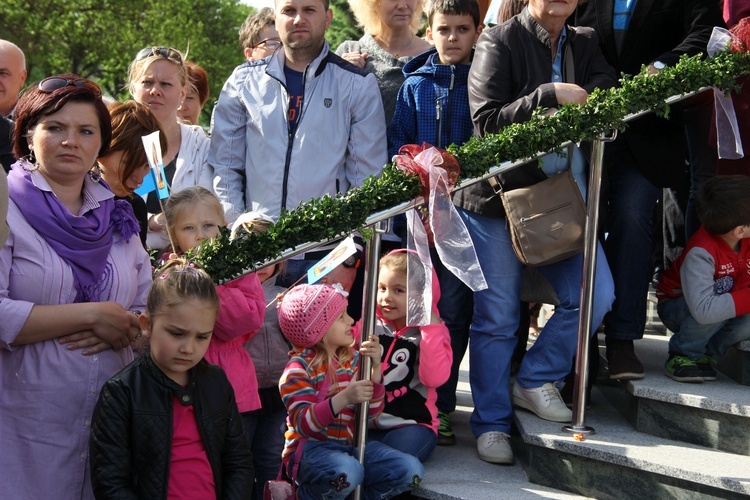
x: 495, y: 184
x: 570, y: 73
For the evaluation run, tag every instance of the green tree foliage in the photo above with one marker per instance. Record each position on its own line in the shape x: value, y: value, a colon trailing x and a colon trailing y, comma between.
x: 98, y: 39
x: 344, y: 26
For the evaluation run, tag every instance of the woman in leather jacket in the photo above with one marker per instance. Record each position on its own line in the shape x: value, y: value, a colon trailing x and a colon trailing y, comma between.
x: 519, y: 66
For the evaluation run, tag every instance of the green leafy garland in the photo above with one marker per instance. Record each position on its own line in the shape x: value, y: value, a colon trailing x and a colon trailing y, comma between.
x: 329, y: 217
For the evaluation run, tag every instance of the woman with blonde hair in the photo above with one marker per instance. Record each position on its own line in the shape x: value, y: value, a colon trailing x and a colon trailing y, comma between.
x: 389, y: 42
x: 158, y: 77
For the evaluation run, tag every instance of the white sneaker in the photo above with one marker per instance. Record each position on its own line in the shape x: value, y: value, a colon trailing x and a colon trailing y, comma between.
x: 545, y: 401
x: 494, y: 447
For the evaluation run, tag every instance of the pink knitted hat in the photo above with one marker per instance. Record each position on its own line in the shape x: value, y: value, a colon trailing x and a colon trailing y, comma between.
x: 308, y: 311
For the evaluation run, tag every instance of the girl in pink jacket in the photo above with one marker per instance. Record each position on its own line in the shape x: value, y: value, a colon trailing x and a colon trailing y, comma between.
x: 416, y: 360
x: 194, y: 214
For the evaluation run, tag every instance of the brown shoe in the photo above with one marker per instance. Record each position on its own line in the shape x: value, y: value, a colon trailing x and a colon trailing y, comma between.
x: 622, y: 361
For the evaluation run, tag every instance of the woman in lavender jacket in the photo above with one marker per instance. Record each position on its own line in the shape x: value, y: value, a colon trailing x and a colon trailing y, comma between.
x: 3, y: 208
x: 72, y: 272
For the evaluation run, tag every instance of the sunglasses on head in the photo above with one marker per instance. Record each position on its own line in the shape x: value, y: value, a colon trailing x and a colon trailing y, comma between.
x: 53, y: 83
x: 166, y: 52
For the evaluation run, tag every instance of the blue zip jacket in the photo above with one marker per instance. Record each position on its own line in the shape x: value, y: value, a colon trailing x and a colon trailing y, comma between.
x: 432, y: 105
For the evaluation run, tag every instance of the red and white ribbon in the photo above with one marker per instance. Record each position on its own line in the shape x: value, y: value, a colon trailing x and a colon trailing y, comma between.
x: 449, y: 234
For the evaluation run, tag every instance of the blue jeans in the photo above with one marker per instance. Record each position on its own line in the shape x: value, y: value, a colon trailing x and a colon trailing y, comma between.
x: 265, y: 431
x: 629, y: 244
x: 330, y: 470
x: 693, y: 340
x: 455, y: 305
x: 496, y: 317
x: 415, y: 440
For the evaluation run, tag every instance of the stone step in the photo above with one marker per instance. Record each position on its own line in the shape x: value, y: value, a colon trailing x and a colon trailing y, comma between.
x: 619, y: 463
x: 711, y: 414
x: 736, y: 363
x: 456, y: 472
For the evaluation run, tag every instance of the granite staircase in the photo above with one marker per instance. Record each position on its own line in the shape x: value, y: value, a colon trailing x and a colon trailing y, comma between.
x: 655, y: 439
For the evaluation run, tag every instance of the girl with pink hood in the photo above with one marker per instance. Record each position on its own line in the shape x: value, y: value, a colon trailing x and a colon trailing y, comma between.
x: 415, y: 360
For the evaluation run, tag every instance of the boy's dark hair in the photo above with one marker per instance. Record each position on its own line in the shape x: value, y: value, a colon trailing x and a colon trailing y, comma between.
x: 253, y: 25
x: 724, y: 203
x: 453, y: 8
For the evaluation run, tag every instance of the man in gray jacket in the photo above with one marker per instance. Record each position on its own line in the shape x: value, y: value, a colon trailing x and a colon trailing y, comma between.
x: 297, y: 125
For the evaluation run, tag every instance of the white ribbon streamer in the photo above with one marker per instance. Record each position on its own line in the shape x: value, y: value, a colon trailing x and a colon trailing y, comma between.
x: 728, y: 138
x: 452, y: 240
x: 418, y: 281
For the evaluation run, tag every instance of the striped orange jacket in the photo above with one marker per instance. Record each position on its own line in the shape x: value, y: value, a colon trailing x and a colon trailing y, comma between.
x: 314, y: 419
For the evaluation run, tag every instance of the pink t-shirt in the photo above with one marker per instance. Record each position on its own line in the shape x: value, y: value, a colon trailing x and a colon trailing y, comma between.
x: 190, y: 474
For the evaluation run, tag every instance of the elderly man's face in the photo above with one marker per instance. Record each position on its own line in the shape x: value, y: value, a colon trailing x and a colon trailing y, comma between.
x: 12, y: 77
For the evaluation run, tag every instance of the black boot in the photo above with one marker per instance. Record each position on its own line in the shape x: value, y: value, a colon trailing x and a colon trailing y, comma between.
x: 622, y: 361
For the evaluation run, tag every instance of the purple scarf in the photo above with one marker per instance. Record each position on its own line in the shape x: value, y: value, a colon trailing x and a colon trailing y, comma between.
x: 83, y: 242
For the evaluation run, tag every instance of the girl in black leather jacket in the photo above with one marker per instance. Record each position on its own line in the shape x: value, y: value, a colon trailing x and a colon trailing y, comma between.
x: 168, y: 424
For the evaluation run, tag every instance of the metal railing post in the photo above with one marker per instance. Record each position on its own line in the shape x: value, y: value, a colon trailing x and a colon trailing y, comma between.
x: 368, y: 327
x: 587, y: 287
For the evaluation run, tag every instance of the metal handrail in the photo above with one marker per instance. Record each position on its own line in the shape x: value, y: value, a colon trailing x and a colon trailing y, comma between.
x: 368, y: 328
x: 418, y: 201
x: 588, y: 277
x: 376, y: 220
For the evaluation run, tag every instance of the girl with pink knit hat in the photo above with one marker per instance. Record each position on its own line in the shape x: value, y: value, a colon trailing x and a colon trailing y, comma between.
x: 320, y: 390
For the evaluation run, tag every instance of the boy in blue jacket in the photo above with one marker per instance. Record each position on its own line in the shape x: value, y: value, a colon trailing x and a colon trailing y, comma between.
x: 433, y: 107
x: 433, y: 103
